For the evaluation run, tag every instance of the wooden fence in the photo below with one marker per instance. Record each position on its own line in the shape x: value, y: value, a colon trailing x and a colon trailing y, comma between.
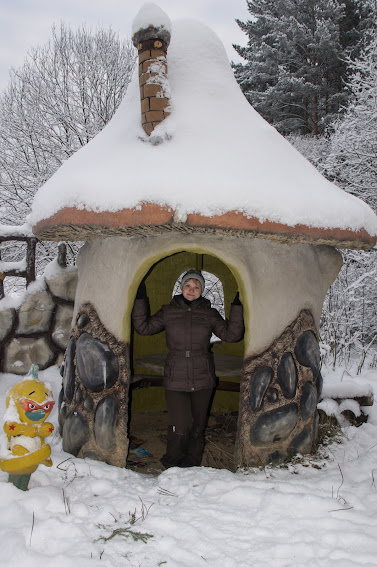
x: 24, y: 268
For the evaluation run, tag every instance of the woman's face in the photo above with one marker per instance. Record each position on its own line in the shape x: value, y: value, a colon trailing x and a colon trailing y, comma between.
x: 192, y: 289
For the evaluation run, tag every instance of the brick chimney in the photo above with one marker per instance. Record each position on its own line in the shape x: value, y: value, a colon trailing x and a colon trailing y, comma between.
x: 152, y: 44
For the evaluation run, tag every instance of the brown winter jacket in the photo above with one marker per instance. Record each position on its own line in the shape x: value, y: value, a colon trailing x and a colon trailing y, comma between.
x: 189, y: 365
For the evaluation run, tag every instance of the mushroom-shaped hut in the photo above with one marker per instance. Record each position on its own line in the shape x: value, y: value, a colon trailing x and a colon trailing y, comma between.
x: 187, y: 174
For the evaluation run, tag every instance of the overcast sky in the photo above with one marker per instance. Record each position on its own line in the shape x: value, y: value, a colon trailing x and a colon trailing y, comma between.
x: 27, y: 23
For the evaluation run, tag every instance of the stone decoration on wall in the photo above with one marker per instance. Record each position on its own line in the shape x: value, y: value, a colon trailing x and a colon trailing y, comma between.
x: 93, y: 403
x: 6, y: 322
x: 38, y: 331
x: 279, y: 395
x: 35, y: 313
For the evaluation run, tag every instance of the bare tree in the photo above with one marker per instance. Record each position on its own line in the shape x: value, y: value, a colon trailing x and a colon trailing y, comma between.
x: 352, y: 159
x: 61, y: 97
x: 348, y: 325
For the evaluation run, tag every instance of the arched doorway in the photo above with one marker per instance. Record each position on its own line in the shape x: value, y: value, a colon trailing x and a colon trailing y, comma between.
x: 148, y: 417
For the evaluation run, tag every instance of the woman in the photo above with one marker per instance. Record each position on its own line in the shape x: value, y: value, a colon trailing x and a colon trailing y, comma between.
x: 189, y: 373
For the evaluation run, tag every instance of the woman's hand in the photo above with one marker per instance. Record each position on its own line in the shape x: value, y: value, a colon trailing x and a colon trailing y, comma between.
x: 236, y: 300
x: 141, y: 291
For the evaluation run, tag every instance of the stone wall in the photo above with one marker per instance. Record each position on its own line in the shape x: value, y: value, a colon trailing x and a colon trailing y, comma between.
x: 38, y: 329
x: 93, y: 403
x: 280, y: 390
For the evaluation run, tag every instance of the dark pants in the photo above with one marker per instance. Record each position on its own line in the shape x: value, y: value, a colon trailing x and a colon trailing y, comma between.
x: 187, y: 412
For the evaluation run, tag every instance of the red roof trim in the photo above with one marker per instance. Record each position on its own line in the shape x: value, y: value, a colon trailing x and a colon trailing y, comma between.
x: 150, y: 214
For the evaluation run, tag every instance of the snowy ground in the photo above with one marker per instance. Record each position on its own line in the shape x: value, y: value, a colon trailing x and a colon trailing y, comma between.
x: 321, y: 512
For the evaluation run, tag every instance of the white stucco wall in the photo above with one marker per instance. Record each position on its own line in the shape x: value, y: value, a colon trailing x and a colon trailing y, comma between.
x: 276, y: 281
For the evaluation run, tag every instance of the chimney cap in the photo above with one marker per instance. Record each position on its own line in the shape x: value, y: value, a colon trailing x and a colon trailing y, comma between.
x: 151, y: 23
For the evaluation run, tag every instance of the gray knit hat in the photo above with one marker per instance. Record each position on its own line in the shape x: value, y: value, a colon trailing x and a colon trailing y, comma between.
x: 193, y: 274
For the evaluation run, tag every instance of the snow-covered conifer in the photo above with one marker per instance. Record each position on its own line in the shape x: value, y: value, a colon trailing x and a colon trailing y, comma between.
x: 294, y: 72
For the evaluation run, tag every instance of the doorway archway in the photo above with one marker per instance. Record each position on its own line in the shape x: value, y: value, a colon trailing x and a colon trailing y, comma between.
x: 147, y: 408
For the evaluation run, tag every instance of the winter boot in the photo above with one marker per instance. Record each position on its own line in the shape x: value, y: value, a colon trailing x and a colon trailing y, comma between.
x: 176, y: 448
x: 195, y: 448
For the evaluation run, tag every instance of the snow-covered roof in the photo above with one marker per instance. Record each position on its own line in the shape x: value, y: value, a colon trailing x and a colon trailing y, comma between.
x: 217, y: 165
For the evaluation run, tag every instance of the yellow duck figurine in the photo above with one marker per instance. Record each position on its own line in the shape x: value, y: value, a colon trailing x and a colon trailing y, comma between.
x: 29, y: 403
